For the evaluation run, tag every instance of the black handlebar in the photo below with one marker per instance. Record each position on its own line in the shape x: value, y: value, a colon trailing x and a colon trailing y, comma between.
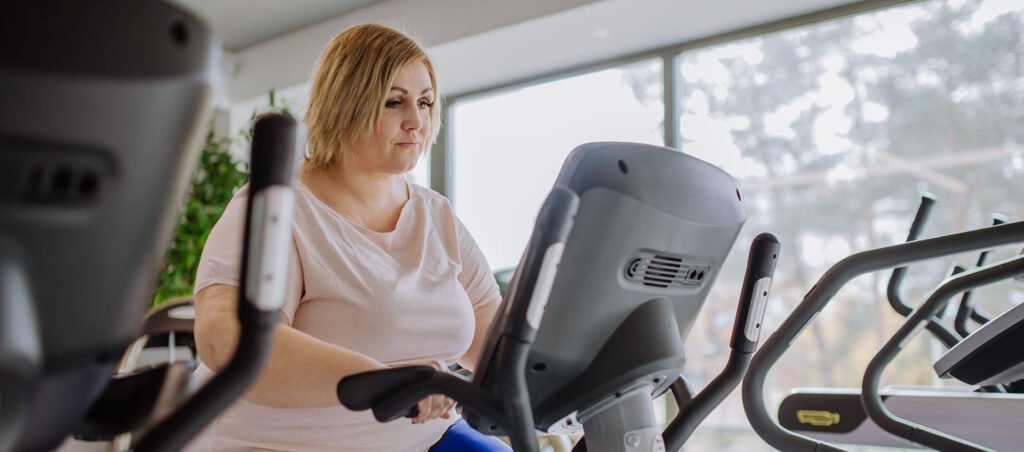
x: 967, y: 308
x: 273, y: 151
x: 948, y: 337
x: 764, y: 253
x: 924, y: 210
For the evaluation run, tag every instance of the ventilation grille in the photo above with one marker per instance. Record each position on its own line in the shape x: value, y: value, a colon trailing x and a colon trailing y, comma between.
x: 664, y: 270
x: 33, y: 174
x: 60, y: 183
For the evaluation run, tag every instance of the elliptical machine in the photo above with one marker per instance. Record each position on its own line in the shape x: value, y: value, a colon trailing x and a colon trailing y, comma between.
x: 623, y: 254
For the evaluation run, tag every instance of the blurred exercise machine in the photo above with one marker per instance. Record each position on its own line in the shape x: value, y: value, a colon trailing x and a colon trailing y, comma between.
x: 105, y: 105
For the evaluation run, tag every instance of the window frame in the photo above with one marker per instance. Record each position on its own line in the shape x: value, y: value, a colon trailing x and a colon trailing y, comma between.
x: 441, y: 162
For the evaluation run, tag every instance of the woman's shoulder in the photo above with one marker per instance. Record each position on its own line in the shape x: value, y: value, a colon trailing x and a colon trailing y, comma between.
x: 431, y: 199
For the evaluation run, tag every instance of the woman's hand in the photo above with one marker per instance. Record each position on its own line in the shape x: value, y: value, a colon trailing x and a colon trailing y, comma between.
x: 436, y: 405
x: 433, y: 407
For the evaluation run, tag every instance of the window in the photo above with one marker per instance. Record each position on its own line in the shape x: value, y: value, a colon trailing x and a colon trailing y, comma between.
x: 507, y: 148
x: 834, y: 129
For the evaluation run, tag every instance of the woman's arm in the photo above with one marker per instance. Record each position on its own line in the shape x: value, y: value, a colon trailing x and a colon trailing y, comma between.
x: 301, y: 371
x: 484, y: 317
x: 481, y: 287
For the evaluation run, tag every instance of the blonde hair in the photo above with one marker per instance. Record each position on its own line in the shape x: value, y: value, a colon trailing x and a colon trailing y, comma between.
x: 350, y: 85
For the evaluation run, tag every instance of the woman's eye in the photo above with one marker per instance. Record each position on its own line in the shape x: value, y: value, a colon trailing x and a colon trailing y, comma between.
x: 425, y: 104
x: 392, y: 104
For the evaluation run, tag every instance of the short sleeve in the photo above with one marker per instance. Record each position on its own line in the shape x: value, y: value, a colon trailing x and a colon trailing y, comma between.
x: 475, y: 276
x: 222, y: 256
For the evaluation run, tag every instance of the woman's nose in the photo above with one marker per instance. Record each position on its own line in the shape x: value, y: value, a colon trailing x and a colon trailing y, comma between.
x: 413, y: 120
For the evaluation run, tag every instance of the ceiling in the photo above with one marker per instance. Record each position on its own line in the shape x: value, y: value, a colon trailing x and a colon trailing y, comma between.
x: 244, y: 23
x: 600, y: 31
x: 475, y: 44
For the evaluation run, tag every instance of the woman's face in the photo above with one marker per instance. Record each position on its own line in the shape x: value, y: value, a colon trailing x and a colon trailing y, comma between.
x: 404, y: 127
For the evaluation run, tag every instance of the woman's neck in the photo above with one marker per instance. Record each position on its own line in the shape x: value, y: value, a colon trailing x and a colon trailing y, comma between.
x: 370, y: 199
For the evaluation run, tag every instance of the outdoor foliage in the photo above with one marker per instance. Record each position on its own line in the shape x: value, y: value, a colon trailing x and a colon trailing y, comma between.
x: 834, y: 130
x: 216, y: 178
x: 840, y: 127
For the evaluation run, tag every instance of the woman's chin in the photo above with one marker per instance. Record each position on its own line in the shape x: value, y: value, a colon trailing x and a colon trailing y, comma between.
x: 402, y: 167
x: 409, y: 164
x: 399, y: 163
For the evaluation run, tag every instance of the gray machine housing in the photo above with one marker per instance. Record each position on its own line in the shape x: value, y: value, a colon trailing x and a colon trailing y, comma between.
x: 87, y: 208
x: 990, y: 355
x: 654, y: 227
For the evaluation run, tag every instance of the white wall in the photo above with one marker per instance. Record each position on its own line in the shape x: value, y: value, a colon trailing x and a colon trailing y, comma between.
x: 480, y: 43
x: 287, y: 61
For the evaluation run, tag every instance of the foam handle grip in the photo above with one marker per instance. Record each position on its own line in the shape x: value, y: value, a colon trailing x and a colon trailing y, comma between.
x: 764, y: 253
x: 270, y: 210
x: 273, y: 150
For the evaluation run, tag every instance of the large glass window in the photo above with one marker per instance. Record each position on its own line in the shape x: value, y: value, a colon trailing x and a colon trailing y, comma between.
x: 507, y: 148
x: 834, y: 129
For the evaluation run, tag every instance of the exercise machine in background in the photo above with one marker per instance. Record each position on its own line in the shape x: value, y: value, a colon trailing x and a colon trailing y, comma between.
x: 894, y: 417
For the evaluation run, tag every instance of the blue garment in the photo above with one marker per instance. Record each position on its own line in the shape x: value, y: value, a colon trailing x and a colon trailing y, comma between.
x: 460, y: 437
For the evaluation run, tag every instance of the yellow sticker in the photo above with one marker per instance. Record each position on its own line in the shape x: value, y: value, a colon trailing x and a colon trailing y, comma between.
x: 817, y: 418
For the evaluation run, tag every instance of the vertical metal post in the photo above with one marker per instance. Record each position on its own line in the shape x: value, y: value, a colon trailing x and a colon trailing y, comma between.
x: 670, y: 98
x: 440, y: 161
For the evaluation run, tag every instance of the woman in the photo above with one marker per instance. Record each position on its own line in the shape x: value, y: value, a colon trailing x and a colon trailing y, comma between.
x: 382, y: 274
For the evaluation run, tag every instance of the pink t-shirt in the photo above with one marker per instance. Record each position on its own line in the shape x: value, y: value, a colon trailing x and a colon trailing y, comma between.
x: 398, y: 296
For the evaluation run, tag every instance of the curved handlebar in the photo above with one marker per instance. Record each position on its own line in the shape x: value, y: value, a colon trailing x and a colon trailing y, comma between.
x: 871, y: 397
x: 820, y: 295
x: 273, y: 151
x: 764, y: 254
x: 948, y: 337
x: 967, y: 308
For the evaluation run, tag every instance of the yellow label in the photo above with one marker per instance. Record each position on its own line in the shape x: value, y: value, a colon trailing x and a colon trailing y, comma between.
x: 817, y: 418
